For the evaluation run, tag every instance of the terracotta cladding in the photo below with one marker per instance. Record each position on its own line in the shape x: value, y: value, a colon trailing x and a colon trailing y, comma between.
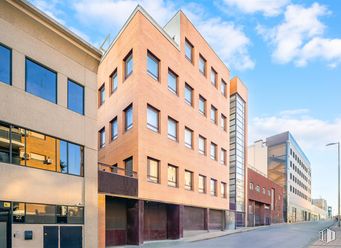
x: 141, y: 89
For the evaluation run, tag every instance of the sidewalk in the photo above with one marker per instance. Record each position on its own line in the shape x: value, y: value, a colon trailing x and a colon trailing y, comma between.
x: 335, y: 243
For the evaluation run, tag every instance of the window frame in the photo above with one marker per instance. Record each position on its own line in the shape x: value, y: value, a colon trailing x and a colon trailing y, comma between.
x: 188, y: 87
x: 189, y: 44
x: 189, y: 187
x: 215, y: 111
x: 149, y: 125
x: 83, y: 96
x: 203, y: 99
x: 174, y: 75
x: 223, y: 121
x: 151, y: 56
x: 114, y: 73
x: 127, y: 58
x: 171, y: 183
x: 125, y: 111
x: 204, y: 189
x: 100, y: 133
x: 225, y: 87
x: 202, y: 59
x: 204, y: 152
x: 190, y: 146
x: 113, y: 137
x: 213, y: 193
x: 101, y: 100
x: 223, y: 186
x: 223, y: 151
x: 150, y: 178
x: 215, y: 73
x: 10, y: 63
x: 215, y: 151
x: 170, y: 136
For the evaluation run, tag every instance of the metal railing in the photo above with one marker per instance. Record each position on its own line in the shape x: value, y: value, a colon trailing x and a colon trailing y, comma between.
x: 116, y: 170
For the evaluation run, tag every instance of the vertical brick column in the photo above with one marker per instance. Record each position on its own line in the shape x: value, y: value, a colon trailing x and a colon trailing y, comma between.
x: 174, y: 221
x: 135, y: 222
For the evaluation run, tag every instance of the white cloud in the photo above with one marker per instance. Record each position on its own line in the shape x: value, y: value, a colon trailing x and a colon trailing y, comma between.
x: 299, y: 38
x: 311, y: 133
x: 266, y: 7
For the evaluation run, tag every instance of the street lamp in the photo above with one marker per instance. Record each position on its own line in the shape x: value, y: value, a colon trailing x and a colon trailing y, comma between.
x: 338, y: 177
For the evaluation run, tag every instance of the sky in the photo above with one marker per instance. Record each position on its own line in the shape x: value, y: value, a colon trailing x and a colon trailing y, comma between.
x: 287, y: 52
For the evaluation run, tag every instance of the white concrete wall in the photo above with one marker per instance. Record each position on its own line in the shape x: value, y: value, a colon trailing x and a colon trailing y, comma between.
x: 258, y: 157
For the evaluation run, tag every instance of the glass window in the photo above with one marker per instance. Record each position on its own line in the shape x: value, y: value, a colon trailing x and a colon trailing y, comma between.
x: 128, y: 164
x: 251, y: 186
x: 188, y: 180
x: 101, y: 95
x: 202, y: 184
x: 172, y: 82
x: 61, y: 214
x: 202, y: 105
x: 114, y: 128
x: 189, y: 50
x: 40, y: 81
x: 128, y: 65
x: 153, y: 65
x: 172, y: 129
x: 75, y: 97
x: 202, y: 144
x: 5, y: 144
x: 188, y: 94
x: 152, y: 118
x: 75, y: 159
x: 63, y: 157
x: 101, y: 137
x: 202, y: 64
x: 213, y: 77
x: 172, y: 176
x: 223, y: 156
x: 75, y: 215
x: 223, y: 122
x: 188, y: 137
x: 223, y: 190
x: 18, y: 212
x: 128, y: 113
x: 40, y: 214
x: 153, y: 170
x: 213, y: 114
x: 213, y: 152
x: 213, y: 187
x: 114, y: 81
x: 5, y: 65
x: 223, y: 87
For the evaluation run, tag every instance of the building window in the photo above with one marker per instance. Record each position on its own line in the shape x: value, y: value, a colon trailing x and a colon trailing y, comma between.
x: 41, y: 81
x: 188, y: 94
x: 202, y: 184
x: 172, y: 129
x: 114, y: 81
x: 172, y: 176
x: 251, y: 186
x: 153, y: 64
x: 172, y: 82
x: 128, y: 117
x: 202, y: 105
x: 188, y: 138
x: 223, y: 122
x: 153, y: 118
x: 114, y: 129
x: 5, y: 65
x: 223, y: 189
x: 263, y: 191
x: 128, y: 167
x: 128, y: 64
x: 188, y: 180
x: 202, y: 65
x: 213, y: 152
x: 101, y: 95
x: 223, y: 156
x: 213, y: 77
x: 71, y: 158
x: 213, y: 187
x: 213, y: 114
x: 258, y: 188
x: 153, y: 170
x: 202, y: 145
x: 189, y: 50
x: 269, y: 192
x: 75, y: 97
x: 223, y: 87
x: 101, y: 138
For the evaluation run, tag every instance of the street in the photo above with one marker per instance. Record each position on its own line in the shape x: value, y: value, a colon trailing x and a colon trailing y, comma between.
x: 286, y: 236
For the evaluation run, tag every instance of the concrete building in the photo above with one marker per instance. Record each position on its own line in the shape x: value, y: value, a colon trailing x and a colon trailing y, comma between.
x: 265, y: 200
x: 238, y: 150
x: 258, y: 157
x: 319, y: 209
x: 163, y: 109
x: 289, y: 167
x: 48, y: 146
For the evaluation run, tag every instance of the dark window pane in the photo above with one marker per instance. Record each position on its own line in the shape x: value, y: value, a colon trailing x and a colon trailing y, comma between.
x: 188, y: 94
x: 114, y: 81
x: 41, y: 81
x: 128, y: 62
x: 5, y: 64
x: 18, y: 212
x: 4, y: 145
x: 40, y: 214
x: 18, y: 145
x: 129, y: 167
x: 75, y: 97
x: 172, y: 82
x: 153, y: 66
x: 75, y: 215
x: 102, y: 138
x: 114, y: 129
x: 129, y: 118
x: 75, y: 159
x: 63, y: 157
x: 61, y: 214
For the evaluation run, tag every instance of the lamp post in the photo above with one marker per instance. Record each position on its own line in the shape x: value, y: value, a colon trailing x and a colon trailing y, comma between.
x: 338, y: 177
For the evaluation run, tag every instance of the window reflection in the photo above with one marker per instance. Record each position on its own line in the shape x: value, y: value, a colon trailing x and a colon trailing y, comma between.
x: 5, y: 64
x: 4, y: 143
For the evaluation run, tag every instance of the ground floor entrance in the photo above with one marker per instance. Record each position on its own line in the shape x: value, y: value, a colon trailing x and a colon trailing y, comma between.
x: 5, y: 225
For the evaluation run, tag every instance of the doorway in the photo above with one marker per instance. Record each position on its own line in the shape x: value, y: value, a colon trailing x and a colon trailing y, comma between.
x: 5, y: 225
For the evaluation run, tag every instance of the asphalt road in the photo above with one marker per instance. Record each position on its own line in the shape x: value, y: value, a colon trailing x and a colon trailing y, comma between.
x: 276, y: 236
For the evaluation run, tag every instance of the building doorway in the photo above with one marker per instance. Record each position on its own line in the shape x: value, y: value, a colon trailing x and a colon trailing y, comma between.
x: 5, y: 224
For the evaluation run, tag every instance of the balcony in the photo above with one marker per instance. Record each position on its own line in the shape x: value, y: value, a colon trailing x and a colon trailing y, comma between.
x: 117, y: 181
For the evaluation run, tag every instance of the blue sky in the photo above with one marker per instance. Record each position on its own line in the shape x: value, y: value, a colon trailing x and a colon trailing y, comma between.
x: 287, y: 52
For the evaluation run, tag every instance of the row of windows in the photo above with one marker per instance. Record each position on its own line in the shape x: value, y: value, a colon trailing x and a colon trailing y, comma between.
x: 41, y: 81
x: 31, y: 213
x: 153, y: 70
x: 299, y: 182
x: 299, y: 193
x: 299, y: 172
x: 299, y: 161
x: 202, y: 67
x: 29, y: 148
x: 257, y: 189
x: 153, y: 123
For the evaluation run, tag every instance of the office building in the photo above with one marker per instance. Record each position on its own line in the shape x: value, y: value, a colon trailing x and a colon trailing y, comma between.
x: 163, y: 109
x: 48, y: 148
x: 289, y: 167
